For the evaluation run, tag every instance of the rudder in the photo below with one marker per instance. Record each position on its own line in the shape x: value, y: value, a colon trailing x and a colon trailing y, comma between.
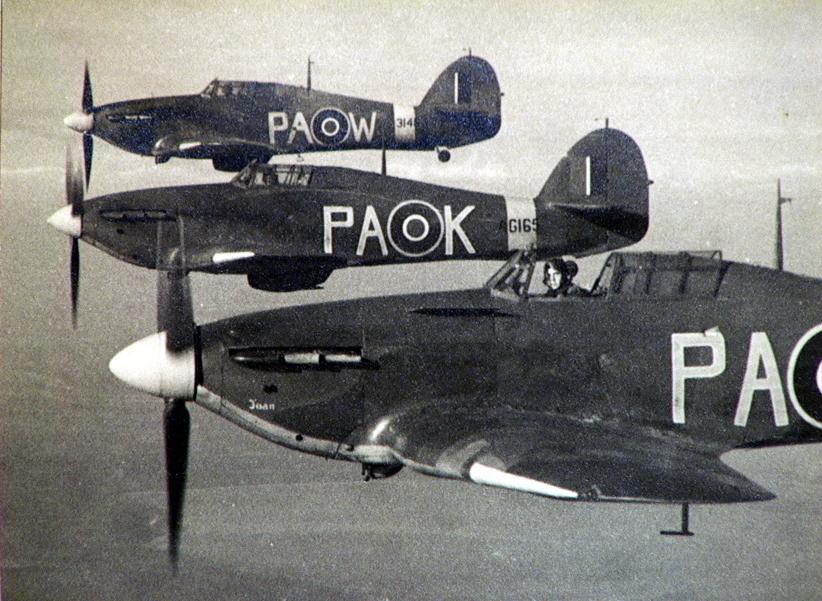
x: 462, y: 106
x: 602, y: 181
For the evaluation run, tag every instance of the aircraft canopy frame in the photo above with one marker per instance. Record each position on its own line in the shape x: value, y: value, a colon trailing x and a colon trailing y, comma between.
x: 263, y: 175
x: 694, y: 274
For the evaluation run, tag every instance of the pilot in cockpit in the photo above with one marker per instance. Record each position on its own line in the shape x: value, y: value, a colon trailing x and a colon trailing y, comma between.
x: 558, y: 277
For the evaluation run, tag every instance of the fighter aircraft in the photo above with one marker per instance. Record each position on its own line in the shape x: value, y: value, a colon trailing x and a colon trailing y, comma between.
x: 235, y: 122
x: 288, y: 227
x: 631, y: 392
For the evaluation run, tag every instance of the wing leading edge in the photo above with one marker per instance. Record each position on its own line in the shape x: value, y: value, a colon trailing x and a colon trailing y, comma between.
x: 561, y: 457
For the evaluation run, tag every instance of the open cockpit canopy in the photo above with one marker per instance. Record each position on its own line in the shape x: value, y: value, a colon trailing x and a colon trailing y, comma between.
x: 650, y: 275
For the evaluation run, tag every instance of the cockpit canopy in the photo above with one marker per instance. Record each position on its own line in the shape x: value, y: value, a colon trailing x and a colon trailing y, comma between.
x: 227, y: 89
x: 694, y: 274
x: 261, y: 175
x: 626, y: 275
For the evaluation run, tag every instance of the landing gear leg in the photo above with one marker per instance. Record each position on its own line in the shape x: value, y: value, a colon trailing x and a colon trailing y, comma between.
x: 683, y: 531
x: 367, y: 472
x: 378, y: 471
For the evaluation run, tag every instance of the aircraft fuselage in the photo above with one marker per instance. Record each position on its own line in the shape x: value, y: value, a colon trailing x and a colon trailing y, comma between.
x: 234, y: 122
x: 737, y: 370
x: 280, y: 118
x: 278, y: 220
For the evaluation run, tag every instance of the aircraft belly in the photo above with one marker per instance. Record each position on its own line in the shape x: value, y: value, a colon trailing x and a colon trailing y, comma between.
x: 293, y: 439
x: 559, y: 456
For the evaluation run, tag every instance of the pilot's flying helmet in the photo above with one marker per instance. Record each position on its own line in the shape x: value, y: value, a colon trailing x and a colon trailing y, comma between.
x: 559, y: 273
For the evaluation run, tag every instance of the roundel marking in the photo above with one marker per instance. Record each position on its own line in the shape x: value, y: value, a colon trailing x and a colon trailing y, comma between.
x: 407, y: 225
x: 330, y: 126
x: 415, y: 228
x: 805, y: 376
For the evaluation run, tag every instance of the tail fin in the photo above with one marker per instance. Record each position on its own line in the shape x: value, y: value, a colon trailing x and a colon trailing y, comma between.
x: 462, y: 106
x: 601, y: 190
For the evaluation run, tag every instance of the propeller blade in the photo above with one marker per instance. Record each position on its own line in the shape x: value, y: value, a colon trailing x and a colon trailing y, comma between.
x: 74, y: 275
x: 74, y: 183
x: 88, y: 101
x: 175, y: 314
x: 88, y: 151
x: 74, y: 198
x: 176, y: 427
x: 175, y: 317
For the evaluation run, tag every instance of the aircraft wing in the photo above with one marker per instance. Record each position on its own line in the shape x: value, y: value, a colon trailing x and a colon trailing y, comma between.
x: 561, y: 457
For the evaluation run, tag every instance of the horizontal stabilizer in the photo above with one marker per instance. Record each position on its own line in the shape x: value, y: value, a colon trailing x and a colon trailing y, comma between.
x: 614, y: 219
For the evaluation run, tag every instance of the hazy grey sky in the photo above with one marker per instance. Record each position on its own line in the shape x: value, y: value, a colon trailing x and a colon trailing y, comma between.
x: 723, y: 98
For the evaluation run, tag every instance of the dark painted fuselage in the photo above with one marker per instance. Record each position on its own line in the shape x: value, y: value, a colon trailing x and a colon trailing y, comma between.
x: 234, y: 122
x: 732, y: 364
x: 289, y: 226
x: 342, y: 216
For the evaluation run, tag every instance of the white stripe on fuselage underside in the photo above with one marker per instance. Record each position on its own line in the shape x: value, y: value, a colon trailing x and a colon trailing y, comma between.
x: 184, y: 146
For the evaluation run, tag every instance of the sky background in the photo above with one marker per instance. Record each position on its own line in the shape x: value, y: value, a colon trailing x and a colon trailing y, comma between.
x: 723, y: 99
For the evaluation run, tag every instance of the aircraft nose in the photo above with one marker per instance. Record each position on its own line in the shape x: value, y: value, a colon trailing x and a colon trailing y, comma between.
x: 79, y: 121
x: 66, y: 222
x: 150, y: 366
